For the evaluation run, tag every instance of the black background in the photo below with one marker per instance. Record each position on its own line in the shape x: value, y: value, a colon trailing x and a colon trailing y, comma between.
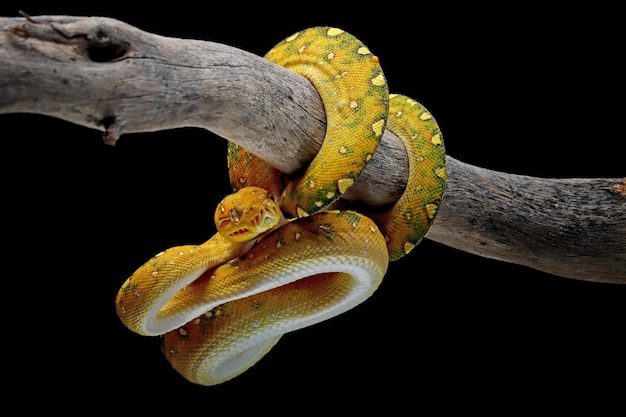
x: 519, y: 89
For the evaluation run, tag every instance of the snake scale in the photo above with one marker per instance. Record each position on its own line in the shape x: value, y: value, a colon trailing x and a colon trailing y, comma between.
x: 287, y: 253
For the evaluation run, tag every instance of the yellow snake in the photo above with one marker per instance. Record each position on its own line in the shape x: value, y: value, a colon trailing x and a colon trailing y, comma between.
x: 220, y: 306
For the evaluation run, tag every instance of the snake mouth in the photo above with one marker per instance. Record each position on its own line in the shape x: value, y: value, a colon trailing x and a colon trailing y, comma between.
x: 260, y: 223
x: 251, y: 224
x: 242, y: 235
x: 238, y: 232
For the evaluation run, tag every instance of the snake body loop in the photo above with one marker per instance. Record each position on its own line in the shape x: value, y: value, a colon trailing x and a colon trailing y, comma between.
x: 293, y: 278
x: 222, y: 305
x: 406, y: 223
x: 354, y: 91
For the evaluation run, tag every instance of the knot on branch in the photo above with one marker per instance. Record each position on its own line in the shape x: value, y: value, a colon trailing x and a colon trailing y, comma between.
x: 103, y: 48
x: 97, y: 46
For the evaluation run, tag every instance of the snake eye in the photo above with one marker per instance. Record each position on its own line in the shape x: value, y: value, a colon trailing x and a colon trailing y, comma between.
x: 235, y: 215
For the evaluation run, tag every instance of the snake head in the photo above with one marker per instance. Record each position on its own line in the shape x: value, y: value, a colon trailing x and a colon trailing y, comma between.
x: 246, y: 214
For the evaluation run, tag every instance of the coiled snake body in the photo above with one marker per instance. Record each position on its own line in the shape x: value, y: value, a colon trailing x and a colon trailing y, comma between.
x: 220, y: 306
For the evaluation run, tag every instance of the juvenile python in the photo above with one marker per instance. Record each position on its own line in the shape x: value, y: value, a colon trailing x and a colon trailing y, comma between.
x: 223, y: 304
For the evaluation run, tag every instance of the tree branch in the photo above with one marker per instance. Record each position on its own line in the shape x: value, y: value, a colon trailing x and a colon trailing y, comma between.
x: 107, y: 75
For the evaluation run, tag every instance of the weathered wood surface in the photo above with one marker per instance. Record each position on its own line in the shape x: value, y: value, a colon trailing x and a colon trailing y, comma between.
x: 104, y: 74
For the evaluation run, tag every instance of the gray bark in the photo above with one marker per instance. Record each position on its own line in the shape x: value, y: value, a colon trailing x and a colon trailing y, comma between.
x: 104, y: 74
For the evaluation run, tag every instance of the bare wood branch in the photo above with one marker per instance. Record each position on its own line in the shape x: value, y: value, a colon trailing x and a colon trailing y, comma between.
x: 107, y: 75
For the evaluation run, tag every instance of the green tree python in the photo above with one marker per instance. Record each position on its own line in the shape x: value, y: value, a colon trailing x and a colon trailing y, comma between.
x: 287, y: 254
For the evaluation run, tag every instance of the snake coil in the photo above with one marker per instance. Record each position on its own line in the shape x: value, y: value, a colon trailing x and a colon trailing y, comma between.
x: 283, y: 258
